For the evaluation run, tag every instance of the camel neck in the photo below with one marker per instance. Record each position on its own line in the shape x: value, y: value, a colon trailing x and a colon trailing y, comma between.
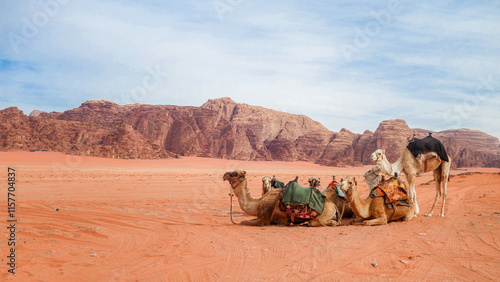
x: 397, y: 167
x: 389, y: 168
x: 359, y: 208
x: 247, y: 202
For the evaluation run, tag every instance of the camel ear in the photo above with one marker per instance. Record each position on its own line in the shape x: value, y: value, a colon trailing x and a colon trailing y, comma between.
x: 244, y: 173
x: 383, y: 151
x: 355, y: 182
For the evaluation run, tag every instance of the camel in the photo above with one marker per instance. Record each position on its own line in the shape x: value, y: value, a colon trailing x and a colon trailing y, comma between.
x: 314, y: 182
x: 340, y: 202
x: 372, y: 176
x: 267, y: 208
x: 247, y: 202
x: 373, y: 211
x: 413, y: 167
x: 266, y: 184
x: 343, y: 206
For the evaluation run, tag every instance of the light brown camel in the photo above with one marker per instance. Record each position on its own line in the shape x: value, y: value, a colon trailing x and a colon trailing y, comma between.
x: 342, y: 204
x: 267, y: 208
x: 413, y: 167
x: 373, y: 211
x: 266, y: 184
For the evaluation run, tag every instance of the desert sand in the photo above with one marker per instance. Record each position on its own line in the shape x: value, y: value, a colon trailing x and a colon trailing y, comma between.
x: 96, y: 219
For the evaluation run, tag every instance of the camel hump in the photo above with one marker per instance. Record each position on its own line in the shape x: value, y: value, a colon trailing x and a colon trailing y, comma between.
x: 427, y: 144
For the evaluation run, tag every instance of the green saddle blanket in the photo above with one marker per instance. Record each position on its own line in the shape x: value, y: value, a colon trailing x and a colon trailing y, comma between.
x: 294, y: 194
x: 277, y: 184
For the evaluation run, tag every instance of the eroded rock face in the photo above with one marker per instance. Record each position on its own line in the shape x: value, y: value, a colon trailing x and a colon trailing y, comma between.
x: 222, y: 128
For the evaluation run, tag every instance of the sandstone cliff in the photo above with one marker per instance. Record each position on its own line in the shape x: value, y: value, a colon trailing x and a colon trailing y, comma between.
x: 222, y: 128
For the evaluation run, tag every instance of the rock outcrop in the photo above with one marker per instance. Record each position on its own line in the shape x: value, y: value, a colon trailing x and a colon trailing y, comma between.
x: 222, y: 128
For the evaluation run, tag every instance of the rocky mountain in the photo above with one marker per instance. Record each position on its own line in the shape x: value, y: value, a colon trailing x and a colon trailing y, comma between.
x: 222, y: 128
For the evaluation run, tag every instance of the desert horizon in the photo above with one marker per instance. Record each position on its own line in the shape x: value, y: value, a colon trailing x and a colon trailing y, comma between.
x: 87, y: 219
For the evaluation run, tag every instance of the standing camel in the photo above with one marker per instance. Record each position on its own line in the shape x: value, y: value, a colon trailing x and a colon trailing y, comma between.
x: 413, y: 167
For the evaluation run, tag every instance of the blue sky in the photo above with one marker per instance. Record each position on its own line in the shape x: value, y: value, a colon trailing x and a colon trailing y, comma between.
x: 345, y: 64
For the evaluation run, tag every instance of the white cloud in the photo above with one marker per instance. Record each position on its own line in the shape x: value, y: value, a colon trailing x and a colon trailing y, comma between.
x: 426, y: 60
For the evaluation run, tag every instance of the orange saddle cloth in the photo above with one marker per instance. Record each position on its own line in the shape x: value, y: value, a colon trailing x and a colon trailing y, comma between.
x: 393, y: 190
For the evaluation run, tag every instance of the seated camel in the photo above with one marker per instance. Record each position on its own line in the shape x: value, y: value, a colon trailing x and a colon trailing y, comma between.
x: 266, y: 185
x: 269, y: 184
x: 314, y: 182
x: 374, y: 210
x: 338, y: 197
x: 372, y: 176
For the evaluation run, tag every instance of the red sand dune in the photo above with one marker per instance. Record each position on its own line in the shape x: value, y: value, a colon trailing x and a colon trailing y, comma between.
x: 95, y: 219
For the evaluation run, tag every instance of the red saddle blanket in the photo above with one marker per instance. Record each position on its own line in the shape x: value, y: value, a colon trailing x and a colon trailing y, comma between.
x: 393, y: 190
x: 302, y: 211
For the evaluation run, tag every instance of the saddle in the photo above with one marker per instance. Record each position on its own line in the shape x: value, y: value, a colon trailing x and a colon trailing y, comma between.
x: 393, y: 190
x: 340, y: 192
x: 303, y: 202
x: 427, y: 144
x: 277, y: 184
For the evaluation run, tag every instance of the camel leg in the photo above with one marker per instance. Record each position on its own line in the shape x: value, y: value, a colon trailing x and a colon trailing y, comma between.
x: 316, y: 223
x: 445, y: 177
x: 376, y: 221
x: 254, y: 222
x: 357, y: 221
x: 437, y: 179
x: 413, y: 194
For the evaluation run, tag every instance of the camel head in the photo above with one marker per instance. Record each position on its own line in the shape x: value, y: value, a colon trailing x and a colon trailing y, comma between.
x: 378, y: 155
x: 266, y: 184
x: 372, y: 176
x: 314, y: 181
x: 349, y: 184
x: 232, y: 176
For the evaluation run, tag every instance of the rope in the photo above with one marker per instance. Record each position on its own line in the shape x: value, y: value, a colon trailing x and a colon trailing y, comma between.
x: 231, y: 207
x: 342, y: 214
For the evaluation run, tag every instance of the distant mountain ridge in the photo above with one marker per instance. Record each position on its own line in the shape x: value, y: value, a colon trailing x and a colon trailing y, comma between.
x: 222, y: 128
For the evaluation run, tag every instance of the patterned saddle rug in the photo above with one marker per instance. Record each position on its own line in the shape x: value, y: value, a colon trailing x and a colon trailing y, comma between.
x: 393, y: 190
x: 302, y: 211
x: 339, y: 191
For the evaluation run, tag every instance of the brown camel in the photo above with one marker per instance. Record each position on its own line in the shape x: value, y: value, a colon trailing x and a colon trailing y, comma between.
x: 373, y: 211
x: 413, y: 167
x: 267, y: 208
x: 342, y: 204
